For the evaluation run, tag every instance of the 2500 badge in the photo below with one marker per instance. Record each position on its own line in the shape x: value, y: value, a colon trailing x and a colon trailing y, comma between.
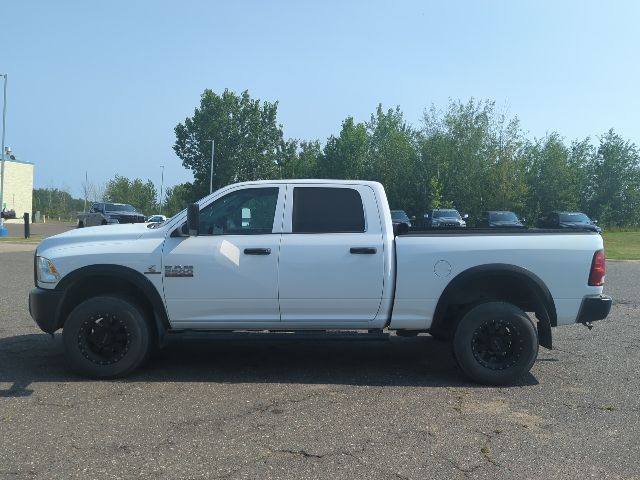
x: 178, y: 271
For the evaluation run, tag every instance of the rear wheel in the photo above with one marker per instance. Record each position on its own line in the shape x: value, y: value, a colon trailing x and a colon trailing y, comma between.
x: 80, y: 224
x: 495, y: 343
x: 106, y: 337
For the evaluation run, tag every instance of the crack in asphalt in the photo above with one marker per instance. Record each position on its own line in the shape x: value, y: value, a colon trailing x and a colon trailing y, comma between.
x: 607, y: 408
x: 44, y: 403
x: 186, y: 424
x: 486, y: 449
x: 305, y: 454
x: 579, y: 355
x: 465, y: 471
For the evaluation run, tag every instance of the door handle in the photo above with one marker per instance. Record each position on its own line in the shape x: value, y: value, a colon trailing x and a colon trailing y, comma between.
x: 257, y: 251
x: 363, y: 250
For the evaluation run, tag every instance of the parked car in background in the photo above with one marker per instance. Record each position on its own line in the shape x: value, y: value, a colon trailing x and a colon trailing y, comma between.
x: 8, y: 214
x: 400, y: 216
x: 156, y: 219
x: 576, y: 220
x: 108, y: 213
x: 445, y: 218
x: 500, y: 219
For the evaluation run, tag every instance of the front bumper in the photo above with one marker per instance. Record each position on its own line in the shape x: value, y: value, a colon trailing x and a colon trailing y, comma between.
x: 127, y: 219
x: 44, y: 307
x: 594, y: 308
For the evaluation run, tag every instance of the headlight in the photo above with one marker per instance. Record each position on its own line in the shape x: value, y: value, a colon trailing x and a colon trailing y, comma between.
x: 47, y: 271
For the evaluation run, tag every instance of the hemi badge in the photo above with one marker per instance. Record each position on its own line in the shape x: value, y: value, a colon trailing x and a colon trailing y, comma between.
x: 178, y: 271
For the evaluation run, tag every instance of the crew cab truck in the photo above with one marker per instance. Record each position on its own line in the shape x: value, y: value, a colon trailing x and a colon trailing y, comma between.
x: 109, y: 213
x: 313, y: 255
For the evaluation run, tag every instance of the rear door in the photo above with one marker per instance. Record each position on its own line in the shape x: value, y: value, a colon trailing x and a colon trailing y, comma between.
x: 331, y: 256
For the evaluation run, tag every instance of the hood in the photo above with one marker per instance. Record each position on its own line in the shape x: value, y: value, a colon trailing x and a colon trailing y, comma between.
x: 585, y: 226
x: 124, y: 212
x: 447, y: 219
x: 506, y: 223
x: 100, y: 234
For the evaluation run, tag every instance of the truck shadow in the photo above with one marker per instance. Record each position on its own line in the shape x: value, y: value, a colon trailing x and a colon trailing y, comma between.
x: 252, y: 358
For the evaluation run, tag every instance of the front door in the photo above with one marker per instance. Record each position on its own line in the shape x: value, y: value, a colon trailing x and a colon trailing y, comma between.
x: 229, y: 271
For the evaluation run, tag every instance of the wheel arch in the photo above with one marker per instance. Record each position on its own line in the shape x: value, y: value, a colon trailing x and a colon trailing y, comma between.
x: 93, y: 280
x: 503, y: 282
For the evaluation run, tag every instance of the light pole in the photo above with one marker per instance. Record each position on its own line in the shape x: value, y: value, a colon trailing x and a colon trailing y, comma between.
x: 3, y: 231
x: 213, y: 149
x: 161, y: 187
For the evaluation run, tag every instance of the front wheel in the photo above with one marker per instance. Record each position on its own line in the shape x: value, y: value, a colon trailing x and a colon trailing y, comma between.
x: 495, y: 343
x: 106, y: 337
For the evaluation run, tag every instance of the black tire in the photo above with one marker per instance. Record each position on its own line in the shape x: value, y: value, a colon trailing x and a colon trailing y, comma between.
x: 104, y: 222
x: 495, y: 343
x: 106, y: 337
x: 80, y: 224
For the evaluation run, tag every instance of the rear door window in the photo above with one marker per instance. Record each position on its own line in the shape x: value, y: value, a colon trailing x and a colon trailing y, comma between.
x: 327, y: 210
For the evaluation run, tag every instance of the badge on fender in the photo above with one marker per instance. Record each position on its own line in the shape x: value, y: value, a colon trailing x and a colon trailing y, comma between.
x: 178, y: 271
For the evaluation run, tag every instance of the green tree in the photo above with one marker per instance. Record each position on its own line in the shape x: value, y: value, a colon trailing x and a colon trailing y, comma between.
x: 553, y: 174
x: 345, y: 156
x: 55, y: 202
x: 613, y: 191
x: 177, y: 198
x: 300, y: 159
x: 476, y: 155
x: 248, y: 140
x: 142, y: 195
x: 392, y: 158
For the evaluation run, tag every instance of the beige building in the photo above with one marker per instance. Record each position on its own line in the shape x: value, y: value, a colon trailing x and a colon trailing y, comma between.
x: 18, y: 188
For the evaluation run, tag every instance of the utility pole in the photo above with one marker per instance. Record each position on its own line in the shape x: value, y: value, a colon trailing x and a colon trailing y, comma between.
x: 3, y: 231
x: 86, y: 187
x: 213, y: 149
x: 161, y: 187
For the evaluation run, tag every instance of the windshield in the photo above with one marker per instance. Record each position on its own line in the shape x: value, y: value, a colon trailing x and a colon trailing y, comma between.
x: 446, y: 213
x: 574, y: 218
x: 118, y: 207
x: 503, y: 217
x: 399, y: 215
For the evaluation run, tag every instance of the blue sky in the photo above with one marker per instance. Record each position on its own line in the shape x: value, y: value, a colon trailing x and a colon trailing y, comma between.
x: 99, y: 86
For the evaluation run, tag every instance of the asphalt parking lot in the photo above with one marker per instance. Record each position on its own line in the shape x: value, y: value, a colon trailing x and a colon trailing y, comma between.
x: 259, y: 407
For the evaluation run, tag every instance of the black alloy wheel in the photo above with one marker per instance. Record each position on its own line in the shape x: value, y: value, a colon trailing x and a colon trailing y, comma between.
x: 107, y: 336
x: 104, y: 339
x: 495, y: 343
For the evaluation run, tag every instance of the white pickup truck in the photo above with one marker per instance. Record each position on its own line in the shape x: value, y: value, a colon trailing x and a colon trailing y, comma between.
x: 313, y: 255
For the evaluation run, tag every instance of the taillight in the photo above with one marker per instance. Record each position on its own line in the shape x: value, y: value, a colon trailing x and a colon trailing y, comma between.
x: 596, y: 276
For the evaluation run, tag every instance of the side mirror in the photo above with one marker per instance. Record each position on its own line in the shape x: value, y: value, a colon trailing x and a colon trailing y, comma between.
x: 465, y: 216
x: 426, y: 215
x: 401, y: 228
x: 413, y: 217
x: 193, y: 219
x: 594, y: 221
